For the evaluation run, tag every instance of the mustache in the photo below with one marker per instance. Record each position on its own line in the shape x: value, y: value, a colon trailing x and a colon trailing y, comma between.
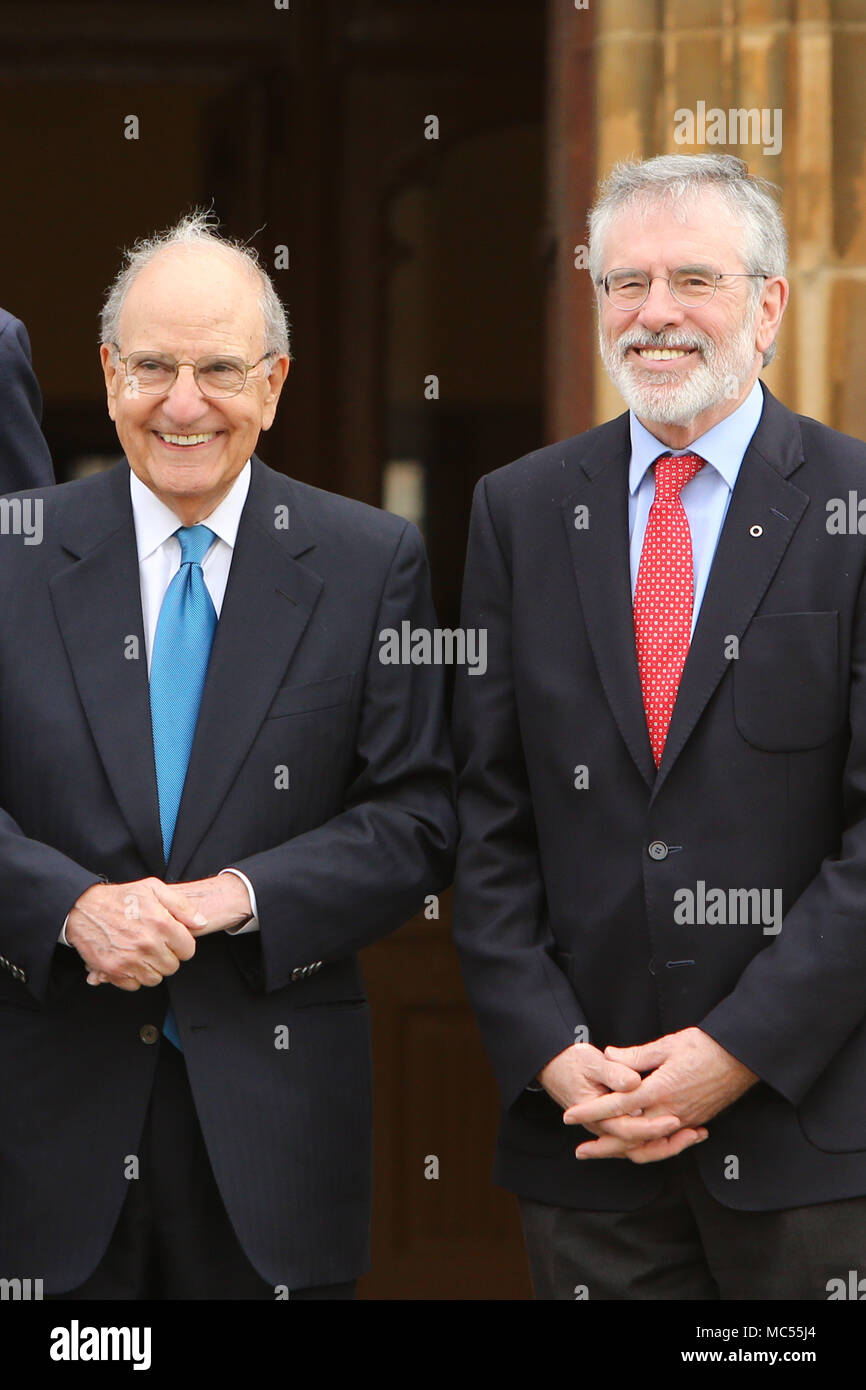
x: 672, y: 339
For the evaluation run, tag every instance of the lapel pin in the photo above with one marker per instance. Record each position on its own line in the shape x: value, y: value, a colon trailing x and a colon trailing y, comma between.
x: 756, y: 530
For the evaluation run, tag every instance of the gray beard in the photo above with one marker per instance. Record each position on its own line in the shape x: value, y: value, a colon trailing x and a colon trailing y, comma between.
x: 718, y: 377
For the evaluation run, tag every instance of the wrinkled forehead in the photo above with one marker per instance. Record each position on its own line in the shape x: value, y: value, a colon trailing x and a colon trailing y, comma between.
x: 198, y: 297
x: 701, y: 227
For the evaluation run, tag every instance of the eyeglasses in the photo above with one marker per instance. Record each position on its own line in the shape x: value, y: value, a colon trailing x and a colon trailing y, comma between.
x: 629, y: 289
x: 154, y: 373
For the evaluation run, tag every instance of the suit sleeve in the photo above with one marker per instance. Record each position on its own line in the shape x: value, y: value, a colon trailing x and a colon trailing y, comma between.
x: 326, y: 893
x: 799, y: 999
x: 24, y: 458
x: 525, y: 1005
x: 40, y: 887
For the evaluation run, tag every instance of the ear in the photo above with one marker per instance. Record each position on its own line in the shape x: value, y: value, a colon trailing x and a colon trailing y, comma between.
x: 273, y: 386
x: 772, y: 307
x: 113, y: 373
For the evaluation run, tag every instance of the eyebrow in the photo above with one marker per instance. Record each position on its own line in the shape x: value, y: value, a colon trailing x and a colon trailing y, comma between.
x: 634, y: 270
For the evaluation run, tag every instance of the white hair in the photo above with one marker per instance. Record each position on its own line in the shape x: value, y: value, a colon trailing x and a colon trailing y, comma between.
x: 674, y: 180
x: 197, y: 228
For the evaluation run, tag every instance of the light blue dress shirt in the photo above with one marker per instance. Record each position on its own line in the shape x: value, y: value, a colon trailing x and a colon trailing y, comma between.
x: 706, y: 498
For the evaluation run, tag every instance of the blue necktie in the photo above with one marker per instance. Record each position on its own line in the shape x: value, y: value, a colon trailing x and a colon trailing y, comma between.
x: 178, y: 668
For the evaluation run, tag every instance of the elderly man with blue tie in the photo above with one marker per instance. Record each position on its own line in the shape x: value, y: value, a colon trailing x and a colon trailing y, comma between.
x: 216, y: 794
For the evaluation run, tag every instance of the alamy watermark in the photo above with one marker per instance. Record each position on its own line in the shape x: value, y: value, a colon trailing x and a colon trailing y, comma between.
x: 77, y: 1343
x: 720, y: 907
x: 846, y: 516
x: 738, y: 126
x: 21, y: 1290
x: 438, y: 646
x: 22, y: 516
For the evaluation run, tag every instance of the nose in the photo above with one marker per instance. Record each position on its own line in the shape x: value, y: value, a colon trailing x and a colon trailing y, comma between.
x: 185, y: 403
x: 660, y: 310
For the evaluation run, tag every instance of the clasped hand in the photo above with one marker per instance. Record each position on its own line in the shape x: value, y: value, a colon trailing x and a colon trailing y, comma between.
x: 690, y: 1078
x: 134, y: 934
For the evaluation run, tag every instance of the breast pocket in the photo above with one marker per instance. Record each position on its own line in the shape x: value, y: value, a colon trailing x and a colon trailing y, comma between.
x: 317, y: 695
x: 786, y: 681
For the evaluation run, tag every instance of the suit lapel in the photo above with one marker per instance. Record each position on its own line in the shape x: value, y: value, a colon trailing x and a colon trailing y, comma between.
x: 743, y: 566
x: 268, y: 602
x: 600, y: 556
x: 97, y: 602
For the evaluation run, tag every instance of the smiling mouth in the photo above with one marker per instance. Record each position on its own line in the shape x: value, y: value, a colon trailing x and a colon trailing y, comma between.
x: 186, y: 441
x: 654, y: 354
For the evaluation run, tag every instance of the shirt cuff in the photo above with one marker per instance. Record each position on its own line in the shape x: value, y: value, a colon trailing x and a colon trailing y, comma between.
x: 253, y: 923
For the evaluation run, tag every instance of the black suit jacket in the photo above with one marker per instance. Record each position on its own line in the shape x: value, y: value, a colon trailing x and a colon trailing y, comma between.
x: 24, y: 457
x: 565, y: 917
x: 343, y: 855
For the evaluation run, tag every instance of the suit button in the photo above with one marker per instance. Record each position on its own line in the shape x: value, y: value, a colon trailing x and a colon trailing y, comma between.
x: 148, y: 1033
x: 658, y: 850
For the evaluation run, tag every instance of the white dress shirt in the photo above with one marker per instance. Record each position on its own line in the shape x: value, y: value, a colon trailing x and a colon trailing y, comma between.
x: 159, y: 561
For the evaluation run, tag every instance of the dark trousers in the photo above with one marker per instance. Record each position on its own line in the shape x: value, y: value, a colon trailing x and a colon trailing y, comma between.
x: 173, y: 1239
x: 686, y: 1245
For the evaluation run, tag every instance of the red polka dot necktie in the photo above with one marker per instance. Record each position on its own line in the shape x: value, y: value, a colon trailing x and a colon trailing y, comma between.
x: 664, y: 595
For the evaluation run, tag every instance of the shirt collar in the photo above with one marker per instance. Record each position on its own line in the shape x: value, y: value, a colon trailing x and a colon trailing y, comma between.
x: 723, y: 446
x: 155, y: 522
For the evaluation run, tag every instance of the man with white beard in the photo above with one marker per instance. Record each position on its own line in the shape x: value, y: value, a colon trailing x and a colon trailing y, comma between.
x: 674, y: 695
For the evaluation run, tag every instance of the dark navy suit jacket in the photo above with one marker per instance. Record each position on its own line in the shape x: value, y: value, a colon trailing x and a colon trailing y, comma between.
x: 322, y: 774
x: 566, y: 902
x: 24, y: 457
